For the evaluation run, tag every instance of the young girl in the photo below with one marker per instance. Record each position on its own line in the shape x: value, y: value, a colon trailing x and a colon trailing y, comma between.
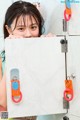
x: 22, y: 20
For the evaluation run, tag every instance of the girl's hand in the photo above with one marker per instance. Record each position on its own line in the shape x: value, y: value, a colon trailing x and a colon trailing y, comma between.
x: 2, y: 108
x: 48, y: 35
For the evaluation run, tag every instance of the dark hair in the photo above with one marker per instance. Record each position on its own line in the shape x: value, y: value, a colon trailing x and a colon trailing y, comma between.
x: 22, y: 8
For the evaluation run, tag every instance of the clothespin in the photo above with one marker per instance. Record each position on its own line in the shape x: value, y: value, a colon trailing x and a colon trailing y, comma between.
x: 16, y: 94
x: 68, y: 92
x: 67, y: 11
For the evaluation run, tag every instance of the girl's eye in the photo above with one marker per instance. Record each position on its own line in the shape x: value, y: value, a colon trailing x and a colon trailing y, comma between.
x: 21, y: 29
x: 33, y: 27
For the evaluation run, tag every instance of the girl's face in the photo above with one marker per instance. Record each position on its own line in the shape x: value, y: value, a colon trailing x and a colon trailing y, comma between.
x: 25, y: 27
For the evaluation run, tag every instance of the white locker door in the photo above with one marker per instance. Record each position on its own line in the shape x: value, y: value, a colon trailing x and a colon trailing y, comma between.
x: 74, y: 68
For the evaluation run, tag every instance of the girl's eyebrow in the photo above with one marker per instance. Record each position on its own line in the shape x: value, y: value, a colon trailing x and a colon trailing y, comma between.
x: 33, y: 24
x: 20, y: 25
x: 25, y: 25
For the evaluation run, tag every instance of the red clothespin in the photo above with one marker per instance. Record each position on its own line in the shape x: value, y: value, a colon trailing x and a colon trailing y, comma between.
x: 68, y: 92
x: 67, y: 11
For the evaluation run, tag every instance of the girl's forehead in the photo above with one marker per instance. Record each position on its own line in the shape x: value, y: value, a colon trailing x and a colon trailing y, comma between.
x: 25, y: 20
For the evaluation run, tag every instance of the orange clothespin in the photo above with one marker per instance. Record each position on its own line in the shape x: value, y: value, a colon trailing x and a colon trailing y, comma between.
x: 68, y: 93
x: 67, y: 11
x: 15, y: 86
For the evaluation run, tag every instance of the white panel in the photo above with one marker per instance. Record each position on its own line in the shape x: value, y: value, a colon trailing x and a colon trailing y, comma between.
x: 40, y: 63
x: 74, y: 68
x: 74, y: 23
